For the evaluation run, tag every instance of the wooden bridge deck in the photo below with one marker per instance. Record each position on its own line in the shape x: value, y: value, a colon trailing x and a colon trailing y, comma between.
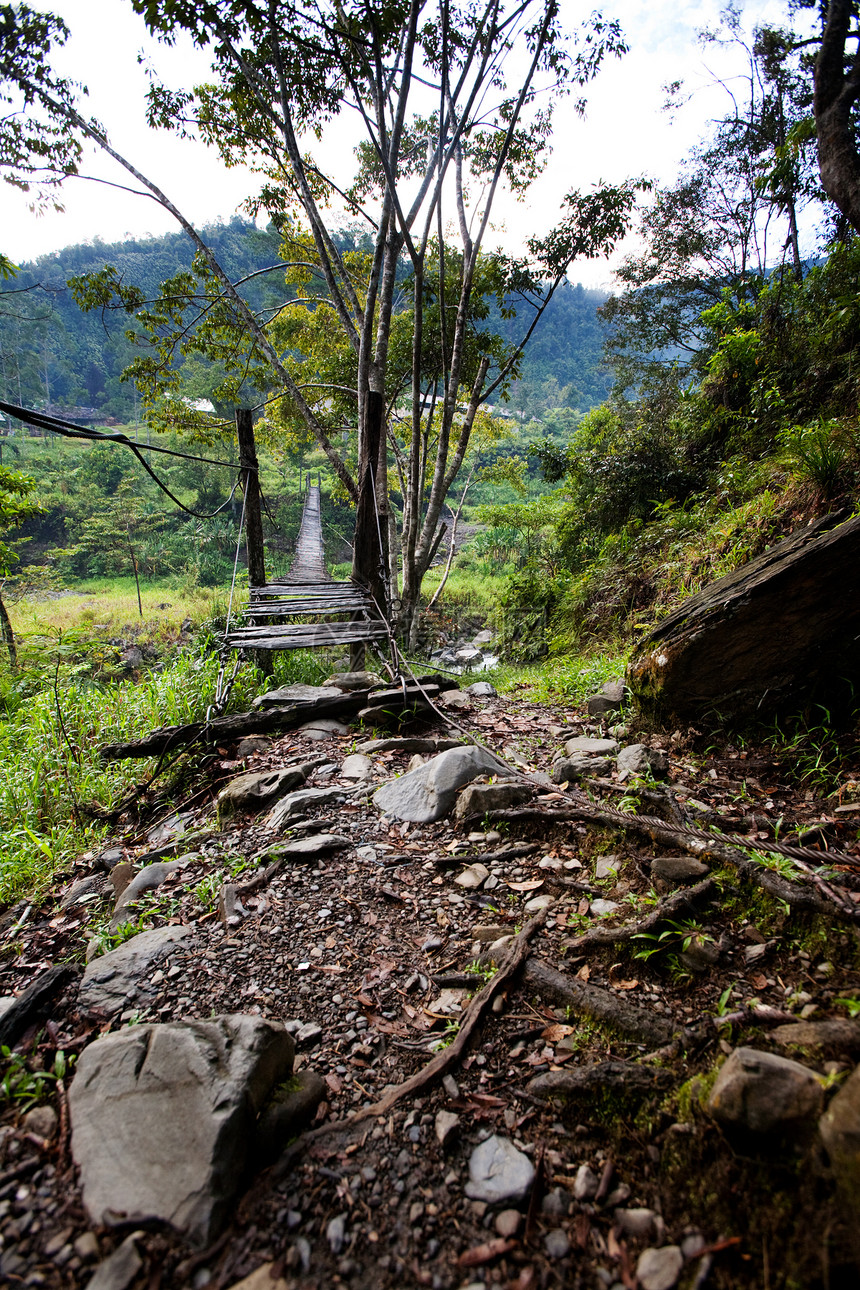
x: 308, y: 592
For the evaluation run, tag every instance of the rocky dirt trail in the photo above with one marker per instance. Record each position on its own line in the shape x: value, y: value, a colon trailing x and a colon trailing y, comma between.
x: 397, y: 1013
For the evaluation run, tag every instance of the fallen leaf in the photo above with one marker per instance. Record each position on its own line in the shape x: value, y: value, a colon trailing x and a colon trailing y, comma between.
x: 485, y: 1252
x: 556, y: 1032
x: 584, y: 973
x: 334, y: 1082
x: 531, y: 885
x: 759, y: 982
x: 618, y: 982
x: 525, y: 1281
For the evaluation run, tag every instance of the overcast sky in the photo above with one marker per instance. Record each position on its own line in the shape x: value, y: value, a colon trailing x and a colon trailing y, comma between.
x: 624, y: 133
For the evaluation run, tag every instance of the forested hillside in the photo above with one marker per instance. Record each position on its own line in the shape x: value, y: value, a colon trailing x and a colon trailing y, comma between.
x: 52, y: 352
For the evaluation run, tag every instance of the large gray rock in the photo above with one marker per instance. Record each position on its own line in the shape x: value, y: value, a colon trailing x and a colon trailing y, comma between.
x: 163, y: 1118
x: 120, y: 978
x: 478, y: 799
x: 638, y: 759
x: 833, y: 1034
x: 659, y: 1268
x: 678, y: 869
x: 586, y: 746
x: 305, y: 800
x: 250, y: 792
x: 428, y: 793
x: 763, y: 1093
x: 356, y: 766
x: 298, y: 693
x: 570, y: 769
x: 499, y: 1173
x: 840, y: 1132
x: 319, y: 729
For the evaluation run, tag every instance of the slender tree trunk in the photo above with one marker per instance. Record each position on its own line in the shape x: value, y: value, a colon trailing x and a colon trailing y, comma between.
x: 8, y: 636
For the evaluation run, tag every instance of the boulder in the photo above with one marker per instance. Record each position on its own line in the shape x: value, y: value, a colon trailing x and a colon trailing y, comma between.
x: 570, y: 769
x: 257, y: 788
x: 478, y: 799
x: 600, y: 705
x: 782, y: 627
x: 456, y: 699
x: 759, y: 1092
x: 639, y: 759
x: 482, y: 690
x: 163, y: 1116
x: 840, y: 1132
x: 429, y: 792
x: 121, y: 977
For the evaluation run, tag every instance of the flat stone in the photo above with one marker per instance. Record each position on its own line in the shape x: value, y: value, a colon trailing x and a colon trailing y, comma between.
x: 499, y: 1173
x: 454, y: 699
x: 487, y: 932
x: 110, y: 858
x: 838, y: 1034
x: 678, y: 869
x: 659, y: 1269
x: 289, y: 694
x: 764, y: 1093
x: 473, y: 877
x: 357, y: 766
x: 163, y: 1116
x: 587, y: 746
x: 570, y: 769
x: 638, y: 759
x: 636, y: 1222
x: 600, y: 705
x: 607, y: 867
x: 428, y: 793
x: 616, y: 690
x: 479, y: 799
x: 323, y: 728
x: 537, y: 903
x: 120, y: 978
x: 146, y: 879
x: 600, y: 907
x: 119, y: 1269
x: 349, y: 681
x: 408, y: 744
x: 482, y: 690
x: 483, y: 638
x: 258, y: 788
x: 305, y: 800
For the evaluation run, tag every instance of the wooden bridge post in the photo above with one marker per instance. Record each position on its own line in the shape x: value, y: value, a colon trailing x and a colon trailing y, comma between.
x: 251, y: 488
x: 367, y: 554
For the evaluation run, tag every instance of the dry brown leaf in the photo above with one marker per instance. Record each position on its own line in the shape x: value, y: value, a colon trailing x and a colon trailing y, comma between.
x: 485, y: 1252
x: 584, y: 973
x: 557, y: 1031
x: 531, y: 885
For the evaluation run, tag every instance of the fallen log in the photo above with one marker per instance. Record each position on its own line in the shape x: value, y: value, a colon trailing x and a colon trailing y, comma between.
x: 627, y: 1078
x: 782, y: 629
x: 225, y: 730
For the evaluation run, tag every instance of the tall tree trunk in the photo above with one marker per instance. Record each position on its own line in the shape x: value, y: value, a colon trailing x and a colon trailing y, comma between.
x: 8, y: 636
x: 836, y: 93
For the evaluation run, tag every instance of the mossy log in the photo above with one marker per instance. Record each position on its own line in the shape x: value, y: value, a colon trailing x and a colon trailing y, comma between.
x: 782, y: 629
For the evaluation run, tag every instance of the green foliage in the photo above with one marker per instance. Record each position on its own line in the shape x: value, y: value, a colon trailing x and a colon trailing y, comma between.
x: 24, y: 1087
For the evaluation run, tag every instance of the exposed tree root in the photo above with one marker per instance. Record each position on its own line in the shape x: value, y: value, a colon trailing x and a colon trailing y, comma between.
x: 678, y: 903
x: 601, y: 1005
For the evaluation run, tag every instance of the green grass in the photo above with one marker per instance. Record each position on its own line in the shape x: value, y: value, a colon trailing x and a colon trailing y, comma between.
x: 54, y: 718
x: 568, y: 678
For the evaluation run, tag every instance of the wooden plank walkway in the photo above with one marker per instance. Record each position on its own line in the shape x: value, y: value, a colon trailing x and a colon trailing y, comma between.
x: 308, y: 592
